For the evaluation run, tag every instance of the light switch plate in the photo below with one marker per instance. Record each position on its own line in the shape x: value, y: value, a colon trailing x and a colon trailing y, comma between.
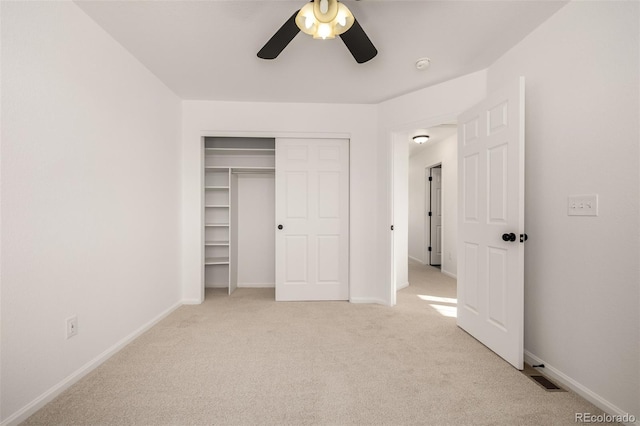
x: 582, y: 205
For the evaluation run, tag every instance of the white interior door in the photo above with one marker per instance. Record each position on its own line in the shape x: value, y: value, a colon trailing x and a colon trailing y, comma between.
x: 312, y: 218
x: 435, y: 244
x: 491, y: 220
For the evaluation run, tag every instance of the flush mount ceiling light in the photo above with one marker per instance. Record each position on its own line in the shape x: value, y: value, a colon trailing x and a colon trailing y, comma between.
x: 420, y: 139
x: 324, y: 19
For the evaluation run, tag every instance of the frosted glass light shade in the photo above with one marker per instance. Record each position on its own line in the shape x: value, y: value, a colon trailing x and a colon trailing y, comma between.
x: 324, y: 19
x: 420, y: 139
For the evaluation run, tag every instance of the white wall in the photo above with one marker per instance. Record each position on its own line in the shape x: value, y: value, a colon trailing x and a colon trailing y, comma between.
x: 256, y: 233
x: 433, y: 105
x: 444, y: 152
x: 90, y: 223
x: 582, y: 133
x: 271, y: 119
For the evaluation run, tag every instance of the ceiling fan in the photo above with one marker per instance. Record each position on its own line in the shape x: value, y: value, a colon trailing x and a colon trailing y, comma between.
x: 323, y: 19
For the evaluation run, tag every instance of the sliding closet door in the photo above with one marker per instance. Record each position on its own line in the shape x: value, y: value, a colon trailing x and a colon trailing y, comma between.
x: 312, y: 219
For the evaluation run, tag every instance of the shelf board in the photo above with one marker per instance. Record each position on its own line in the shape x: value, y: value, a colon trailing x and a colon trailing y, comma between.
x: 217, y: 206
x: 216, y: 243
x: 250, y: 168
x: 216, y: 261
x: 241, y: 151
x: 216, y: 187
x: 217, y: 224
x: 226, y: 168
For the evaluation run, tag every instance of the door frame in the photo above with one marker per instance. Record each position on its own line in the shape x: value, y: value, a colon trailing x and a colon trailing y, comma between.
x: 257, y: 134
x: 392, y: 135
x: 427, y: 208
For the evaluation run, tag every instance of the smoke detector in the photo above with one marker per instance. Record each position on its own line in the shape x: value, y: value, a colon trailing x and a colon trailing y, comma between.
x: 423, y: 63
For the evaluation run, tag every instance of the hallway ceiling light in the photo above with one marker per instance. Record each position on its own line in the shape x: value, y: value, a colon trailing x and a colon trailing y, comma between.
x: 420, y: 139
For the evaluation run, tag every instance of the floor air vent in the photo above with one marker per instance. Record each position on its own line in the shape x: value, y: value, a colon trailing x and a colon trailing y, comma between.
x: 546, y: 383
x: 542, y: 381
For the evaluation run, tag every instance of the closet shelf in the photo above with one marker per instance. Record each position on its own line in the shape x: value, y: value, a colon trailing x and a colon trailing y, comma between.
x: 240, y: 151
x: 232, y: 168
x: 216, y: 187
x: 216, y: 224
x: 216, y: 261
x: 216, y: 243
x: 217, y: 206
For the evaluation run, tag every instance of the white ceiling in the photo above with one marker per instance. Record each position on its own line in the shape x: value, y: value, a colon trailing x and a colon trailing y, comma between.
x: 206, y: 49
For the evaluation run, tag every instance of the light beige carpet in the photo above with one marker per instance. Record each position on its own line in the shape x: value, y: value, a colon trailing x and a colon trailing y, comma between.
x: 247, y: 360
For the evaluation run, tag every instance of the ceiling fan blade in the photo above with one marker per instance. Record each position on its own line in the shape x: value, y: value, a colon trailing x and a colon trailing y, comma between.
x: 358, y: 43
x: 280, y: 39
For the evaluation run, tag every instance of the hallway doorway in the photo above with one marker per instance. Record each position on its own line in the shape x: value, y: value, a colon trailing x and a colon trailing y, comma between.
x: 433, y: 218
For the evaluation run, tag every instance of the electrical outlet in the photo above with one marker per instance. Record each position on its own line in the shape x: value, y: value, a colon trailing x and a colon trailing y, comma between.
x: 582, y: 205
x: 72, y: 326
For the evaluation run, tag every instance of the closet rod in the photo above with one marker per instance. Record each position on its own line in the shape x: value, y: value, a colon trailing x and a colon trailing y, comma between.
x: 255, y: 172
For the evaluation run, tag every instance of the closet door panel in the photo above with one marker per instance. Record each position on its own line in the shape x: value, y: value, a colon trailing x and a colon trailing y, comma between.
x: 328, y: 195
x: 296, y: 198
x: 296, y: 257
x: 312, y: 206
x: 328, y: 259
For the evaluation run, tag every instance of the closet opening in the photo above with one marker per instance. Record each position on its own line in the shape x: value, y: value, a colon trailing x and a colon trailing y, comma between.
x: 239, y: 212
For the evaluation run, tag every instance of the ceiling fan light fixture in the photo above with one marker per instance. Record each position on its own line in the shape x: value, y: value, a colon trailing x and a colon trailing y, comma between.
x: 344, y: 19
x: 324, y: 19
x: 324, y: 32
x: 420, y: 139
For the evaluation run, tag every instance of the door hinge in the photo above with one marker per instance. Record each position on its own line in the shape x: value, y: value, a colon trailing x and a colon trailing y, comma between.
x: 392, y: 227
x: 430, y: 178
x: 430, y: 213
x: 429, y: 248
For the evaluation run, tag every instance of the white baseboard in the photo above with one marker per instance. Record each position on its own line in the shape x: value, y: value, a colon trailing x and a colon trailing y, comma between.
x: 415, y: 259
x: 580, y: 389
x: 256, y: 285
x: 29, y: 409
x: 449, y: 274
x: 191, y: 301
x: 402, y: 285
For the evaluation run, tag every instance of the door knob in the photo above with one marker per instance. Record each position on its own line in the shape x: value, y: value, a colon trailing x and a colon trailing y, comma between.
x: 280, y: 226
x: 509, y: 237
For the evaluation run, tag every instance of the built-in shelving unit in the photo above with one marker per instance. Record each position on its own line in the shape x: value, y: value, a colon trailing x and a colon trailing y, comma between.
x: 224, y: 158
